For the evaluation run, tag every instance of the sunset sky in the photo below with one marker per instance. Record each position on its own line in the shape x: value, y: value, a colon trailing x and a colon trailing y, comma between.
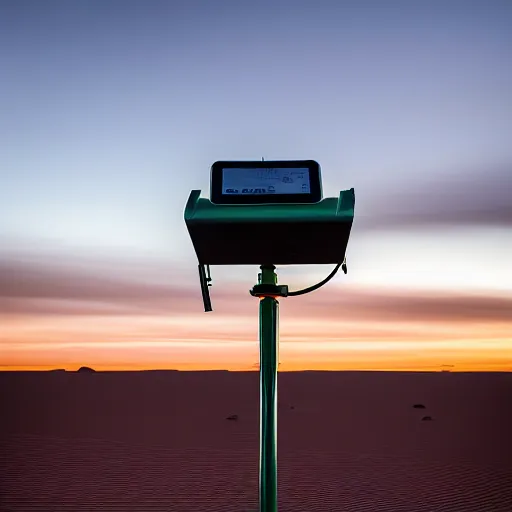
x: 112, y: 111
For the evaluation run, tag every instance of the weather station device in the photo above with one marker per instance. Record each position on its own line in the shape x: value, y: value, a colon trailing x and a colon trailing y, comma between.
x: 268, y: 213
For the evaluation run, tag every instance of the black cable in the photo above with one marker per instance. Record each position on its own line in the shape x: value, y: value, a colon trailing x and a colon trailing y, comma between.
x: 321, y: 283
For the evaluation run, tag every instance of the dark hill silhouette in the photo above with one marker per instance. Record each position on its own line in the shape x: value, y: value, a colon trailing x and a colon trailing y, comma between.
x: 85, y: 369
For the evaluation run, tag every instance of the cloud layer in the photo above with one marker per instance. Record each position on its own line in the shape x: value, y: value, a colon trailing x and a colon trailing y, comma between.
x: 45, y: 289
x: 465, y: 198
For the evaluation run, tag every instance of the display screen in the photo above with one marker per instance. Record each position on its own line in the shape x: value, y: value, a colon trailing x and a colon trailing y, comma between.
x: 265, y: 181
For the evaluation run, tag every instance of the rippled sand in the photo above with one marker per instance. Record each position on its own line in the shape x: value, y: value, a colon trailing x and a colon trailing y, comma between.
x: 348, y: 441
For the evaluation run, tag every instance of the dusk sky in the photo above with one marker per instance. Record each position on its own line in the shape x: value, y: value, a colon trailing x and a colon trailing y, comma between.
x: 111, y: 112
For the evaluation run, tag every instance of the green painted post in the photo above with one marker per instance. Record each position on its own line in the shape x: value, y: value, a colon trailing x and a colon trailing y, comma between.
x: 269, y: 342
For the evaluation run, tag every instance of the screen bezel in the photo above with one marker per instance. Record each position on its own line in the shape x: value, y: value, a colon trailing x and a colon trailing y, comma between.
x: 315, y: 185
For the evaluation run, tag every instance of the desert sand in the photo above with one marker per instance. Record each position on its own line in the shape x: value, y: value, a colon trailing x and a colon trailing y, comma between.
x: 348, y: 441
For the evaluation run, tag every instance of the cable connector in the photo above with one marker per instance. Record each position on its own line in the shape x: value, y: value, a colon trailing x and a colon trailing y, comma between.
x: 205, y: 280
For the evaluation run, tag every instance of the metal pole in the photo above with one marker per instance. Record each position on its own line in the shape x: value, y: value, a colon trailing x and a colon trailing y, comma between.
x: 269, y: 339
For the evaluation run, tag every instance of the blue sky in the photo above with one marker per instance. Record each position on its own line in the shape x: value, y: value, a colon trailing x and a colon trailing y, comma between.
x: 111, y: 112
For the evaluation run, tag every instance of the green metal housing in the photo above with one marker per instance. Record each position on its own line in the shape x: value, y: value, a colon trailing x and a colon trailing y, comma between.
x: 283, y: 234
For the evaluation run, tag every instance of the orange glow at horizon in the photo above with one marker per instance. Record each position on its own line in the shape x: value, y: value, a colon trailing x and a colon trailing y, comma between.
x: 143, y: 343
x: 56, y: 318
